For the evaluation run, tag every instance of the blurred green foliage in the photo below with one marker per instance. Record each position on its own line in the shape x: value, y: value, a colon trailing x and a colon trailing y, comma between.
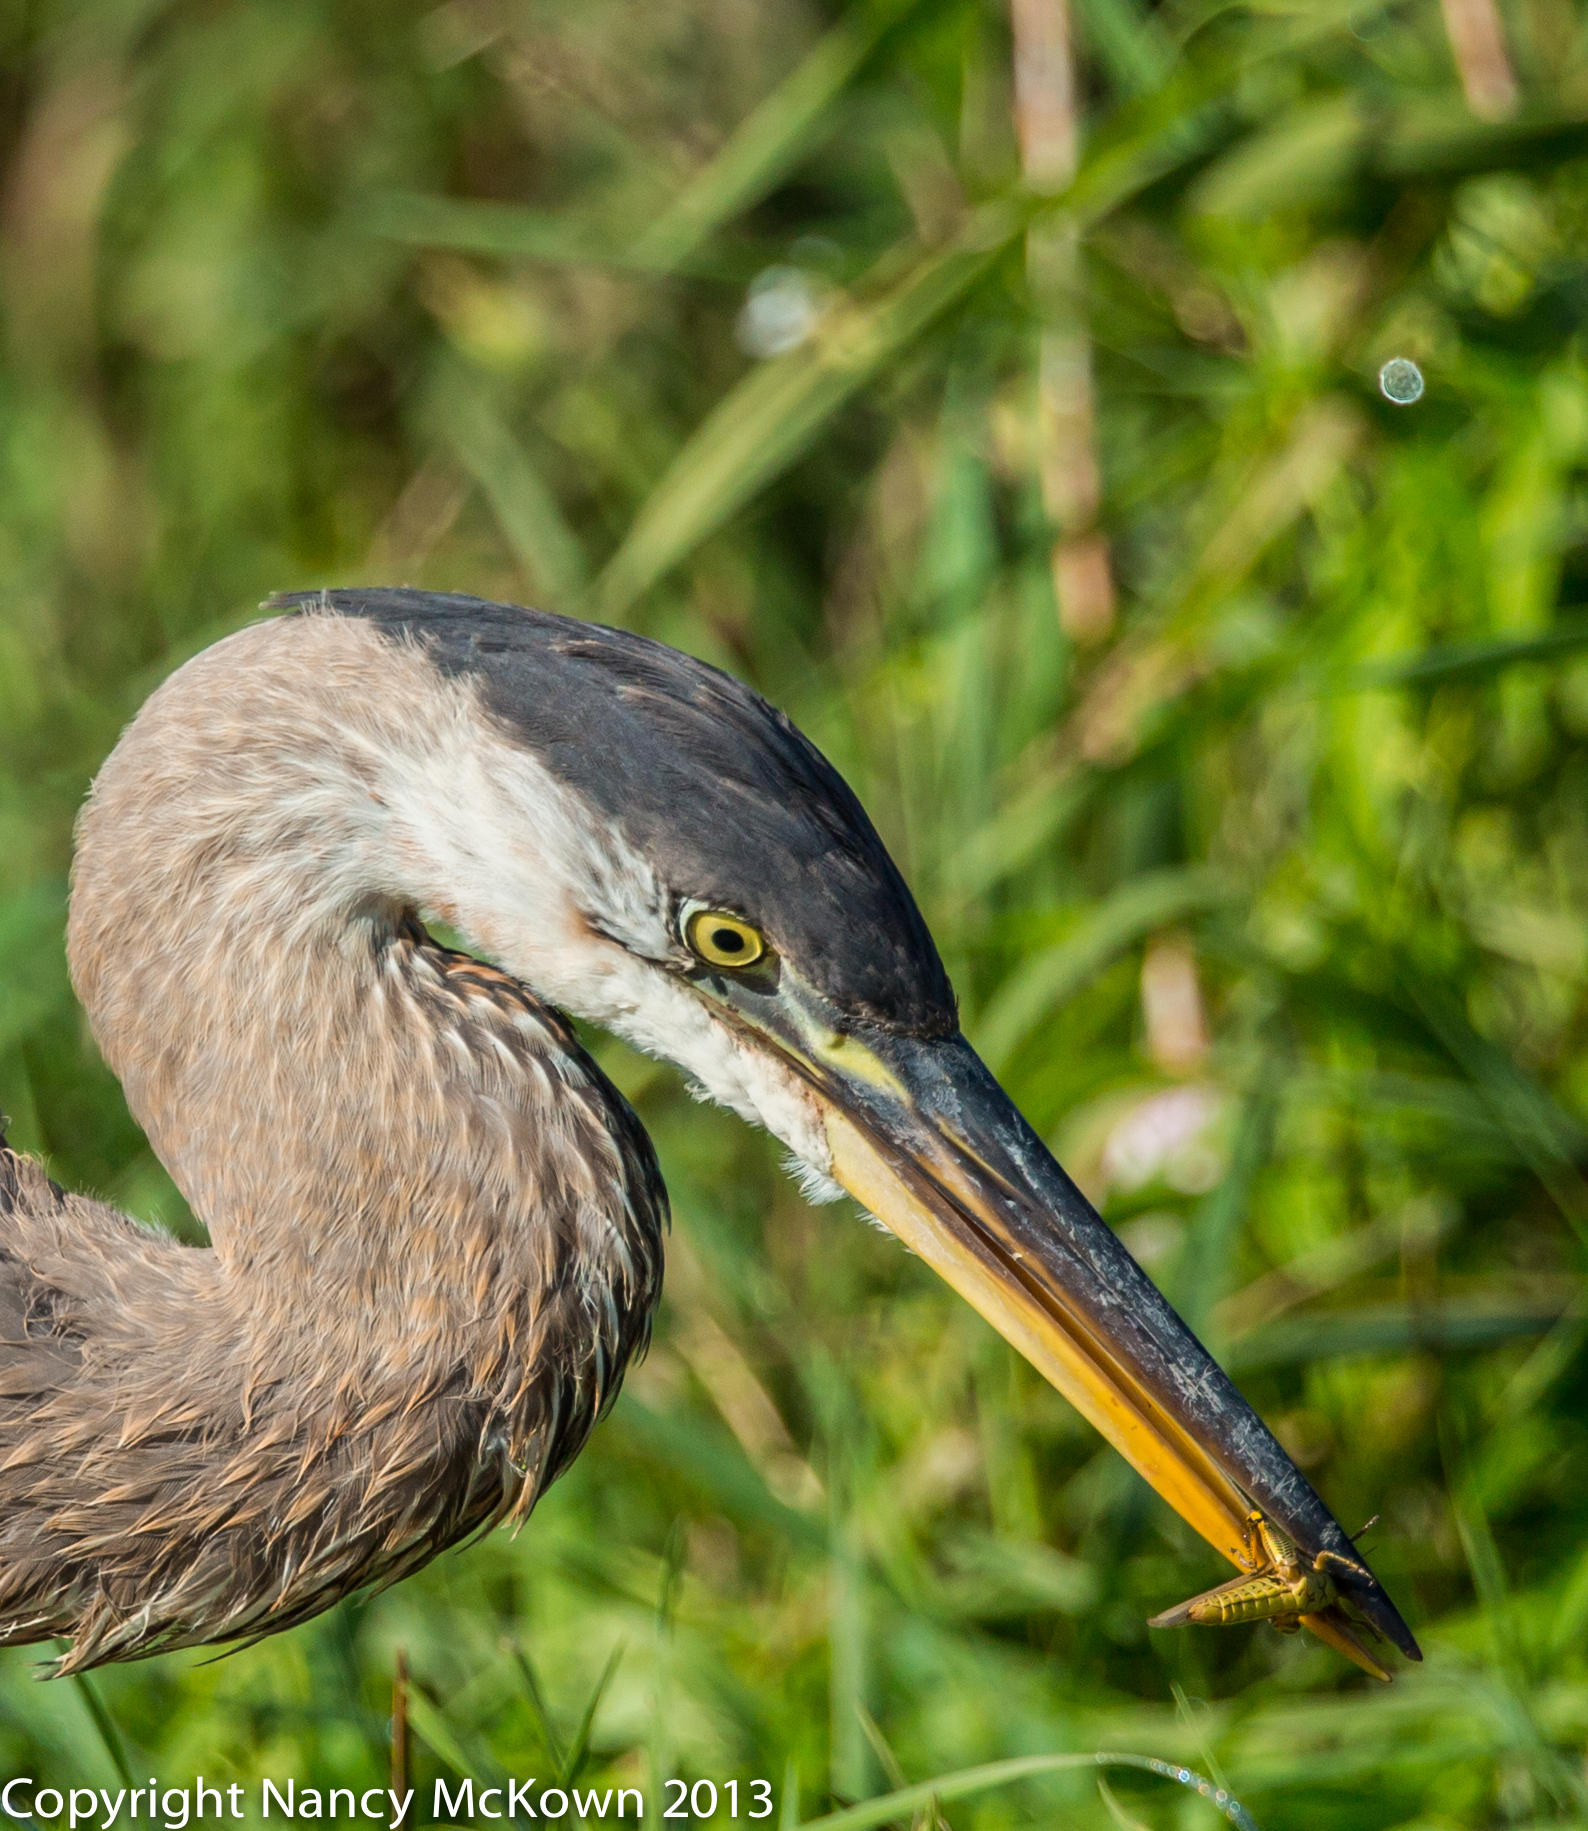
x: 1271, y: 909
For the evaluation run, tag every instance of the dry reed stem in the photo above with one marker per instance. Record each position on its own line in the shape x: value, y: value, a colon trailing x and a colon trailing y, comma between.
x: 1477, y: 43
x: 1048, y: 128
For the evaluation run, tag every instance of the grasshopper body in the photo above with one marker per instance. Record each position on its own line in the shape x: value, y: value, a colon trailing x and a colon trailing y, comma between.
x: 1285, y: 1586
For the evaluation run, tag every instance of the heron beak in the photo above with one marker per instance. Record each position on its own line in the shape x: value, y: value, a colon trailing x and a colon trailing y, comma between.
x: 924, y: 1137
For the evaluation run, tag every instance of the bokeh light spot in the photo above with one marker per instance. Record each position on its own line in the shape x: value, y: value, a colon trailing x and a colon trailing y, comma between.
x: 1401, y: 381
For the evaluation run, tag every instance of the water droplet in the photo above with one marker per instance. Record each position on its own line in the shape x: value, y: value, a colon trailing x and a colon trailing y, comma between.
x: 1401, y: 381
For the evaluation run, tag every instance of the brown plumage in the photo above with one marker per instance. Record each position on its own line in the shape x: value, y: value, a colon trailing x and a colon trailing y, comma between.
x: 436, y: 1225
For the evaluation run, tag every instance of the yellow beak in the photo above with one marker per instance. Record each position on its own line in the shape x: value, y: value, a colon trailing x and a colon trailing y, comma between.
x: 922, y: 1136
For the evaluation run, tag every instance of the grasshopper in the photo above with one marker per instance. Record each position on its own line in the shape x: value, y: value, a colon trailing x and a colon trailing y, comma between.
x: 1284, y: 1587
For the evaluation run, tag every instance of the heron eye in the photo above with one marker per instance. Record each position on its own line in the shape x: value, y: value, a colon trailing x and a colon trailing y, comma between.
x: 723, y: 940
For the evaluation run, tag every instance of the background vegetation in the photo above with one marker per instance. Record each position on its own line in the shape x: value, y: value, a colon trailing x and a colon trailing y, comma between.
x: 1260, y: 862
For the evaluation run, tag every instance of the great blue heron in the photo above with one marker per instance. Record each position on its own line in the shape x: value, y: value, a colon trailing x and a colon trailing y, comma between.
x: 436, y: 1225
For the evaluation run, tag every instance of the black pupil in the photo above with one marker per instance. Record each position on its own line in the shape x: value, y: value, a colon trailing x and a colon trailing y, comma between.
x: 727, y: 941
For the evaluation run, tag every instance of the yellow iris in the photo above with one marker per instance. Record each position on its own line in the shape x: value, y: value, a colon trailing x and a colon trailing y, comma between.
x: 723, y: 940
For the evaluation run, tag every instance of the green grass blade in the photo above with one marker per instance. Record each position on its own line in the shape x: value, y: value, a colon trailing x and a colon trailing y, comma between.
x: 1442, y: 138
x: 1549, y: 1142
x: 579, y: 1749
x: 1214, y: 1241
x: 1048, y: 978
x: 1034, y: 817
x: 714, y: 1463
x: 431, y: 1725
x: 1005, y: 1773
x: 465, y: 415
x: 510, y: 231
x: 105, y: 1723
x: 1121, y: 1818
x: 789, y: 1810
x: 1478, y: 660
x: 1129, y: 41
x: 887, y: 1760
x: 1564, y: 1782
x: 538, y: 1704
x: 764, y: 146
x: 1449, y: 1326
x: 1548, y: 1361
x: 774, y: 413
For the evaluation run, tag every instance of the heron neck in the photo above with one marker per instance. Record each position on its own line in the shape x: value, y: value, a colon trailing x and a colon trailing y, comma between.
x: 373, y: 1132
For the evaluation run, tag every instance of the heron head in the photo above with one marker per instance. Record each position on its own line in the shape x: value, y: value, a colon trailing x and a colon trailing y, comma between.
x: 649, y: 843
